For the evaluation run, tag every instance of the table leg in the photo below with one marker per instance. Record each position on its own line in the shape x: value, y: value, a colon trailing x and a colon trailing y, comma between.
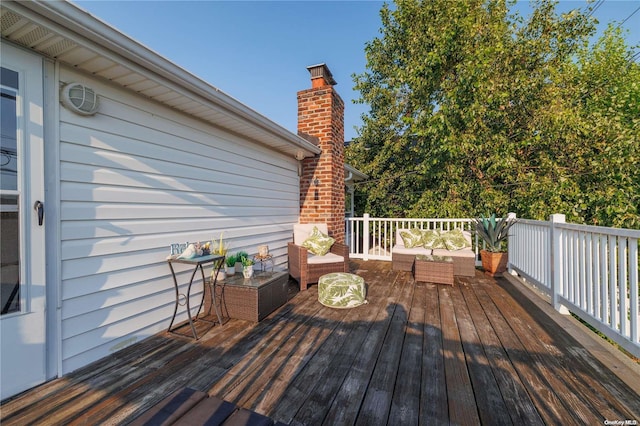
x: 193, y: 329
x: 212, y: 291
x: 175, y: 308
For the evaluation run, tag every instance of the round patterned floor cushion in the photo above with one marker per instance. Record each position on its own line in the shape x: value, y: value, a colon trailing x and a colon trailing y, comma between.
x: 341, y: 290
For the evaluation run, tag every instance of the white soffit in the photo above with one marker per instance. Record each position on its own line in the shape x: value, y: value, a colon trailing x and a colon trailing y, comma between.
x: 67, y: 33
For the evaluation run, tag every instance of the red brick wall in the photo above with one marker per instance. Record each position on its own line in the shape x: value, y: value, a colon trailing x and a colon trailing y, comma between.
x: 321, y: 121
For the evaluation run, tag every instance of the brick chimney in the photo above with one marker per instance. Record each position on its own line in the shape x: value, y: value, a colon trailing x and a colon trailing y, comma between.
x: 321, y: 121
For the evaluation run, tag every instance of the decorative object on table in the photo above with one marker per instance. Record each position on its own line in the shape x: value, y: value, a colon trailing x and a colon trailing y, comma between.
x: 230, y: 264
x: 307, y: 267
x: 206, y: 248
x: 219, y: 247
x: 494, y: 232
x: 247, y: 267
x: 263, y: 251
x: 191, y: 251
x: 341, y: 290
x: 264, y: 259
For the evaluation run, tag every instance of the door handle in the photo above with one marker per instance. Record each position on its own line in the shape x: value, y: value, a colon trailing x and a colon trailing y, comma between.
x: 39, y: 207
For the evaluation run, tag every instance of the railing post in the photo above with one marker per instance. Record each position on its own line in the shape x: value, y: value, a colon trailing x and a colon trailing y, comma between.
x: 556, y: 262
x: 365, y: 236
x: 510, y: 243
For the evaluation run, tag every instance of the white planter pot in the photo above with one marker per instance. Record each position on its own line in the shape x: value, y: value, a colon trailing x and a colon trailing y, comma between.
x: 247, y: 271
x: 230, y: 270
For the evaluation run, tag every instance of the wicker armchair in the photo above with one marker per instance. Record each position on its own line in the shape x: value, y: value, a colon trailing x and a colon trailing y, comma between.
x: 307, y: 268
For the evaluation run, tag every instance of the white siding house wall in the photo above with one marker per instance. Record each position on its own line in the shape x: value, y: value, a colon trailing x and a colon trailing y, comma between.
x: 136, y: 177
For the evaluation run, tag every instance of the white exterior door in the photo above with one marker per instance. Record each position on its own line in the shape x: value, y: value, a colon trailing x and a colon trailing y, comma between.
x: 22, y: 225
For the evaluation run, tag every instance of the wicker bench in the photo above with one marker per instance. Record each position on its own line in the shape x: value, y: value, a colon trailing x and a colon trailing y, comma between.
x: 402, y: 258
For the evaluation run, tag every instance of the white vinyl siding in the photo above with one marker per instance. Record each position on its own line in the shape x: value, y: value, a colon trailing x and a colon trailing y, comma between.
x: 136, y: 177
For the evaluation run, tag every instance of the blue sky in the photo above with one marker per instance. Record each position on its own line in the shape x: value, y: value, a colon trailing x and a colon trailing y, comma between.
x: 258, y: 51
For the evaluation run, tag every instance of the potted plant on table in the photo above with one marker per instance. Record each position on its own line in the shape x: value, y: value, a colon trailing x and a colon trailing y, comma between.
x: 247, y: 267
x: 230, y: 264
x: 239, y: 256
x: 494, y: 232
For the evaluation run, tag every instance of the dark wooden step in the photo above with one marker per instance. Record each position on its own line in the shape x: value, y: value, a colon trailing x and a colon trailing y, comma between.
x: 170, y: 409
x: 190, y: 407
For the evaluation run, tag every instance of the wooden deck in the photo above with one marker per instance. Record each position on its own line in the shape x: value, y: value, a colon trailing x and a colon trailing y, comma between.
x: 476, y: 353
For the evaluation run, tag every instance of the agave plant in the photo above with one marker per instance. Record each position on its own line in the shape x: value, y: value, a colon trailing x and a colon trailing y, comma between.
x: 493, y: 231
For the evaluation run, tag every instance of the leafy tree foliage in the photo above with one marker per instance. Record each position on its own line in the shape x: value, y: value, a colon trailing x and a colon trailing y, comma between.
x: 476, y: 110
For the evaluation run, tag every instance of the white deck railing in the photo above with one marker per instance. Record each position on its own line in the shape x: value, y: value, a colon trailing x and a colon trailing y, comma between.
x: 590, y: 270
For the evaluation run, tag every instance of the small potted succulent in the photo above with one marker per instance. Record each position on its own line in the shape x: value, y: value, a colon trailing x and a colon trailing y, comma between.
x: 239, y: 256
x: 247, y: 267
x: 230, y: 264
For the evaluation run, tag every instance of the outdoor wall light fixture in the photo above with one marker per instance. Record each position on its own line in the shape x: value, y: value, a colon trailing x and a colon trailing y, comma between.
x: 79, y: 98
x: 316, y: 182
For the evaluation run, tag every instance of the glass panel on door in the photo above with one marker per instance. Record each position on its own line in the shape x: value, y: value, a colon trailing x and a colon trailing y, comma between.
x: 9, y: 196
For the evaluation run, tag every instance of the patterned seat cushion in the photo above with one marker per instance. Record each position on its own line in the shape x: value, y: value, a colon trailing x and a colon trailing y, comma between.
x: 341, y: 290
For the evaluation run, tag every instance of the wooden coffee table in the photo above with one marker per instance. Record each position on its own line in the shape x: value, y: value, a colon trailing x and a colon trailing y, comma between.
x: 433, y: 269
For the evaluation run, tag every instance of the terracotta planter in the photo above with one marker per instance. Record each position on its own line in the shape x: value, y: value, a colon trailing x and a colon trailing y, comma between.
x: 493, y: 263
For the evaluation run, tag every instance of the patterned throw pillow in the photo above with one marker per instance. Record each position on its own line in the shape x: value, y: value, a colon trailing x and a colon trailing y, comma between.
x: 318, y: 243
x: 411, y: 238
x: 455, y: 240
x: 431, y: 238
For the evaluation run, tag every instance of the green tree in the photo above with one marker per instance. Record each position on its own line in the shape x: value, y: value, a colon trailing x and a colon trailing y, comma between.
x: 601, y: 99
x: 475, y: 110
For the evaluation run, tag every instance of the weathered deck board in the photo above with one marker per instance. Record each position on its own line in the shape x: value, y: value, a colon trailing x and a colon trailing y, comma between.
x: 518, y: 404
x: 433, y: 401
x: 491, y: 406
x: 550, y: 362
x: 460, y: 397
x: 579, y: 377
x: 405, y: 405
x: 377, y: 399
x: 418, y: 353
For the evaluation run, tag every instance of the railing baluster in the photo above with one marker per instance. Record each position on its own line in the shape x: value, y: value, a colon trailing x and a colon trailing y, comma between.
x: 622, y: 277
x: 613, y: 284
x: 634, y: 296
x: 604, y: 282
